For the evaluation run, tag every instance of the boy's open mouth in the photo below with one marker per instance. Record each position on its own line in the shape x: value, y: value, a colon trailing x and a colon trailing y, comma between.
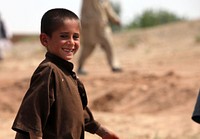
x: 68, y: 50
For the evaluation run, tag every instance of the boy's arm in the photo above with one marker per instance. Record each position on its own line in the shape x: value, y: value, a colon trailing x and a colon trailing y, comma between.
x: 33, y: 136
x: 91, y: 125
x: 112, y: 15
x: 106, y: 134
x: 94, y: 127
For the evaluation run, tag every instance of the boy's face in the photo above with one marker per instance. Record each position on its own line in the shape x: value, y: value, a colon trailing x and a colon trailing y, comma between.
x: 65, y: 41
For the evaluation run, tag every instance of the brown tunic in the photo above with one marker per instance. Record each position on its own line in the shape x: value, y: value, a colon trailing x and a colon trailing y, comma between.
x: 55, y: 105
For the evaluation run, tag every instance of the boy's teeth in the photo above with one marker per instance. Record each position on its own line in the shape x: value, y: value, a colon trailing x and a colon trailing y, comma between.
x: 67, y: 50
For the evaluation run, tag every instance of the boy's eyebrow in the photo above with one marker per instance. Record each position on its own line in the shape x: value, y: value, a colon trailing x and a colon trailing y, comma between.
x: 64, y: 32
x: 69, y: 32
x: 77, y: 33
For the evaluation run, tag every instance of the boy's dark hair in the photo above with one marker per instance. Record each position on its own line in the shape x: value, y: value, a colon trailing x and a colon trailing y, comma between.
x: 54, y: 18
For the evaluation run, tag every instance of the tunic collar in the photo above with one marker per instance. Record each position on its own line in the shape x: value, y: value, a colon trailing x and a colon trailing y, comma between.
x: 59, y: 61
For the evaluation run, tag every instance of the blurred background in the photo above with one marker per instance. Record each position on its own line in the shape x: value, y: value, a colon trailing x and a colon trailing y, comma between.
x: 24, y: 16
x: 158, y: 46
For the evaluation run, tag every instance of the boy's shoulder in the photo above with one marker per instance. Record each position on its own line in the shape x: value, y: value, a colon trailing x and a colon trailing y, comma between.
x: 47, y: 64
x: 49, y: 67
x: 45, y: 67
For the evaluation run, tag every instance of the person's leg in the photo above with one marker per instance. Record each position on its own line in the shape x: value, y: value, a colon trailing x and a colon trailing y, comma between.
x: 107, y: 45
x: 89, y: 40
x: 86, y: 51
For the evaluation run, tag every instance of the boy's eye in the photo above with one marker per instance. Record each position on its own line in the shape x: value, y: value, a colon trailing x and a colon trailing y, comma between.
x: 76, y: 37
x: 67, y: 36
x: 64, y: 36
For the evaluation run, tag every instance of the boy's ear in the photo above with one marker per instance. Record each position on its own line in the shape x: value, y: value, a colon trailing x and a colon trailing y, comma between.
x: 44, y: 39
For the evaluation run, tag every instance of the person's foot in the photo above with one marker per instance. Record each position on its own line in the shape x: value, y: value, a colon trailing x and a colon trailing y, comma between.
x: 81, y: 72
x: 116, y: 69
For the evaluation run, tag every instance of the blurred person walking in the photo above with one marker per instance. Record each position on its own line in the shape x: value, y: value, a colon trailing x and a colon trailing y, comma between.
x: 5, y: 42
x: 95, y: 18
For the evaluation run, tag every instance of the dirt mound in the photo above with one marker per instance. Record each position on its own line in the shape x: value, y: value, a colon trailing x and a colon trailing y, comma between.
x: 144, y: 93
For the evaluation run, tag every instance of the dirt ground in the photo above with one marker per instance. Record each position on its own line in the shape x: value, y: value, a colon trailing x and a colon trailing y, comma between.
x: 153, y: 98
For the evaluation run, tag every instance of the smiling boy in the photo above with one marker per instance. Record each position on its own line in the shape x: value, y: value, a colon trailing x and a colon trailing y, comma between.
x: 55, y: 104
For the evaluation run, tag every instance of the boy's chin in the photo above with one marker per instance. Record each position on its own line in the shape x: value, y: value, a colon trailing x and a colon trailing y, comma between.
x: 68, y: 58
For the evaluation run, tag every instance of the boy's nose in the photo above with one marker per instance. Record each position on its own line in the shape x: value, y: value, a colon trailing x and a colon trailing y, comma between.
x: 70, y: 41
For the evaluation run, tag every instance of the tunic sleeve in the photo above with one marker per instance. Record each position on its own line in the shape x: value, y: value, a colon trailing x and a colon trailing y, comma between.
x: 35, y: 108
x: 113, y: 17
x: 90, y: 124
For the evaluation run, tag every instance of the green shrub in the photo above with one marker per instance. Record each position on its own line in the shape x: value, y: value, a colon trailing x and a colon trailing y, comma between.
x: 151, y: 18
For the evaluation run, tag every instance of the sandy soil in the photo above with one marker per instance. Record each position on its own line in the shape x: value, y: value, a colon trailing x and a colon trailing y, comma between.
x: 153, y: 98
